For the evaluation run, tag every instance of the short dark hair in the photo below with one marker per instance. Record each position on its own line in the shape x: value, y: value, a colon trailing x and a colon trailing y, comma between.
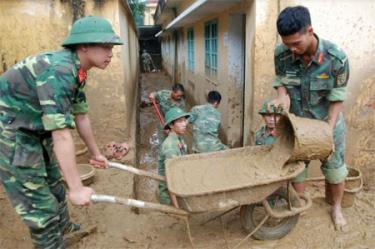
x: 213, y: 96
x: 178, y: 87
x: 292, y: 20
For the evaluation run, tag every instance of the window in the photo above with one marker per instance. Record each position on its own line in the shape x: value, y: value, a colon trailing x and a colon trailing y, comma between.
x: 210, y: 39
x: 190, y: 43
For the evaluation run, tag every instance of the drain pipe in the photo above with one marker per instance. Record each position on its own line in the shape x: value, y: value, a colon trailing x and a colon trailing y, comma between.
x: 175, y: 59
x: 175, y: 66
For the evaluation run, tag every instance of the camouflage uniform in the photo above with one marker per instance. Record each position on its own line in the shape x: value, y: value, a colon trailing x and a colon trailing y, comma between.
x: 263, y: 137
x: 206, y: 122
x: 173, y: 146
x: 312, y: 89
x: 38, y: 95
x: 146, y: 61
x: 165, y: 101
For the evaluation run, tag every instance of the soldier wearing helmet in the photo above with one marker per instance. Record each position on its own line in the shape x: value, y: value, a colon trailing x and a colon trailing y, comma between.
x: 173, y: 146
x: 266, y: 135
x: 41, y: 98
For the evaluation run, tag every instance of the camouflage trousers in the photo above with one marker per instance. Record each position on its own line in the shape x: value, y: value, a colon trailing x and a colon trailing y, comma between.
x: 161, y: 136
x: 146, y: 66
x: 163, y: 189
x: 33, y: 183
x: 334, y: 169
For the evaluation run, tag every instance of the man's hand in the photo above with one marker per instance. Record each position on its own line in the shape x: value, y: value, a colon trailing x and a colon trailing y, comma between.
x: 101, y: 160
x: 151, y: 96
x: 81, y: 196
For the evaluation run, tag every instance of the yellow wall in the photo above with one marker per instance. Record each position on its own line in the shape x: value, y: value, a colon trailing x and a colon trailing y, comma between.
x: 261, y: 41
x: 29, y: 27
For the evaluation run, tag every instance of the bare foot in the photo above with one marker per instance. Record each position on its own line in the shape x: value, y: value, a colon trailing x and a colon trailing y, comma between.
x: 338, y: 219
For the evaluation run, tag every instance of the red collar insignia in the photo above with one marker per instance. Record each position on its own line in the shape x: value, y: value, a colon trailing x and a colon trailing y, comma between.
x: 82, y: 74
x: 320, y: 58
x: 274, y: 133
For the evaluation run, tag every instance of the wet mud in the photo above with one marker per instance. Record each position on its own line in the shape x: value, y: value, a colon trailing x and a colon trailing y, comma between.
x: 299, y: 139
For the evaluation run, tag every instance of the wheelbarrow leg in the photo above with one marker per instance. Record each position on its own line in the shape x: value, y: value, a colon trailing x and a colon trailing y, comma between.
x: 219, y: 215
x: 224, y: 231
x: 188, y: 231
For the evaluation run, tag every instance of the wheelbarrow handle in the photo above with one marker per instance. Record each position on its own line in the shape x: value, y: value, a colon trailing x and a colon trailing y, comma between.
x: 138, y: 204
x: 131, y: 170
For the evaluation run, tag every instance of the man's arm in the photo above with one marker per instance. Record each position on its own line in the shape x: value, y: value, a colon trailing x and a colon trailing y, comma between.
x: 334, y: 111
x: 65, y: 154
x: 85, y: 132
x: 282, y: 100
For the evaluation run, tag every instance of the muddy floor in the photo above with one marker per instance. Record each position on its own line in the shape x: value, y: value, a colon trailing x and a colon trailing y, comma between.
x: 119, y: 227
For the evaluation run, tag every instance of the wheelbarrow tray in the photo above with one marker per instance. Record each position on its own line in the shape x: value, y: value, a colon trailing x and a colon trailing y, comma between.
x: 225, y: 179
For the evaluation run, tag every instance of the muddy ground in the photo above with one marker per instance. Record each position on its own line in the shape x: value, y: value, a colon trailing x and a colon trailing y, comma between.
x: 119, y: 227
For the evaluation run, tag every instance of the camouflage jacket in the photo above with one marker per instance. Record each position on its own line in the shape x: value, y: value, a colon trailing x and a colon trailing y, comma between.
x: 146, y: 58
x: 172, y: 146
x: 312, y: 88
x: 42, y: 92
x: 263, y: 137
x: 206, y: 123
x: 165, y: 101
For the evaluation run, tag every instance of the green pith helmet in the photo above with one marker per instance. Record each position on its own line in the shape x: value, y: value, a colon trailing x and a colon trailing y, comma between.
x: 173, y: 114
x: 272, y: 109
x: 92, y: 29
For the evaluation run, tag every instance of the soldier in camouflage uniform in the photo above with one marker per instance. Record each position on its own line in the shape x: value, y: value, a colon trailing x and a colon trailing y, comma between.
x: 41, y: 98
x: 147, y: 61
x: 173, y: 146
x: 266, y: 135
x: 206, y: 121
x: 311, y: 80
x: 166, y: 100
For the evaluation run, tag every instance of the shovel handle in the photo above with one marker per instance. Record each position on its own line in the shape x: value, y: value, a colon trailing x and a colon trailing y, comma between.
x: 161, y: 119
x: 131, y: 170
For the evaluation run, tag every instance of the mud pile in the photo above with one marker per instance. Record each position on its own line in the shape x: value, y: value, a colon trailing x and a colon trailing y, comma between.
x: 300, y: 139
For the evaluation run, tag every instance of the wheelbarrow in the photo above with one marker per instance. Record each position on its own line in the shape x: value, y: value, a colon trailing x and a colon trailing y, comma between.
x: 253, y: 178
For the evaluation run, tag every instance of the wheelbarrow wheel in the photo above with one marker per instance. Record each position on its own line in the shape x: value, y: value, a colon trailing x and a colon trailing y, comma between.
x: 252, y: 215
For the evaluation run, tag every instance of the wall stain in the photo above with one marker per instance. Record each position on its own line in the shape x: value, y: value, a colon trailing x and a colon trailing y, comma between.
x: 3, y: 63
x: 77, y: 8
